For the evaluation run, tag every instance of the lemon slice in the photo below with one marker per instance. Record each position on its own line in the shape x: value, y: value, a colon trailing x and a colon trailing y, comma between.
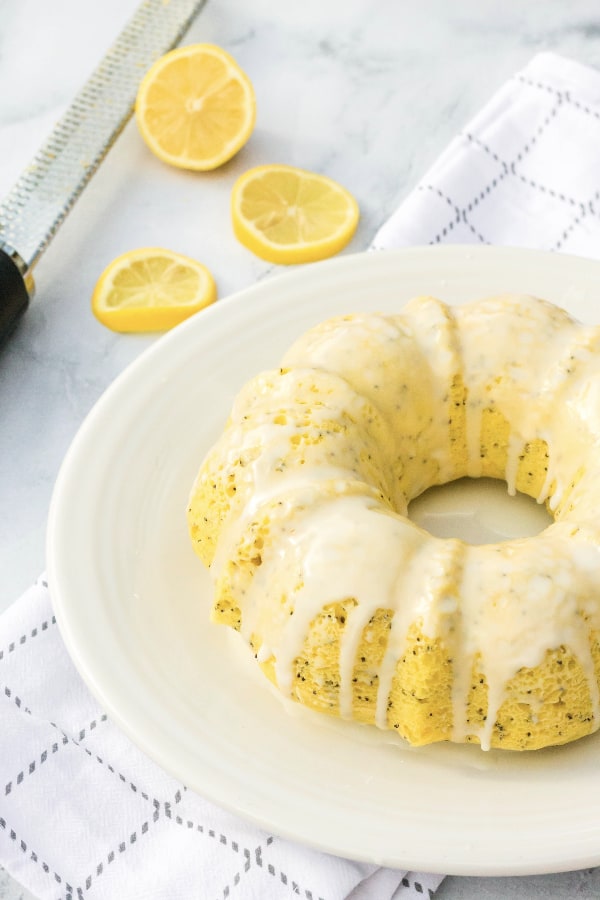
x: 287, y: 215
x: 151, y: 289
x: 195, y: 107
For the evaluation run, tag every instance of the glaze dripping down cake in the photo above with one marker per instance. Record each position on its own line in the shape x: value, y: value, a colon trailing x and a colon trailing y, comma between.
x: 300, y: 511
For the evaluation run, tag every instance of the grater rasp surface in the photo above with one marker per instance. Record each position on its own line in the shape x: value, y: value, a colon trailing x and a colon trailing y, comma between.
x: 43, y: 195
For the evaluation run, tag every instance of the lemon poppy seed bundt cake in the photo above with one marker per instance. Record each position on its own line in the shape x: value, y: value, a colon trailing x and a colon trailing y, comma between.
x: 300, y: 511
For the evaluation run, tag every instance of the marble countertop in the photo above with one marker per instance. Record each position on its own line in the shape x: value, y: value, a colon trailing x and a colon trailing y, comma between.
x: 366, y: 92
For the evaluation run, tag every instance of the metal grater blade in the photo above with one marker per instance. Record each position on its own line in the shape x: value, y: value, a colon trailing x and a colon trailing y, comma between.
x: 46, y: 191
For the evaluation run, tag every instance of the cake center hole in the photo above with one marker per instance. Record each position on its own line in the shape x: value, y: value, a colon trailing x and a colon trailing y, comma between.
x: 479, y: 511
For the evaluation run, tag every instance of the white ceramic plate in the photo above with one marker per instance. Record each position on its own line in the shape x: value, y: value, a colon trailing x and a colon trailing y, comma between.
x: 132, y: 600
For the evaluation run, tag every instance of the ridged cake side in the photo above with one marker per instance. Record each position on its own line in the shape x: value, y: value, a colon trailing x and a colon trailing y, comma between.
x: 300, y: 510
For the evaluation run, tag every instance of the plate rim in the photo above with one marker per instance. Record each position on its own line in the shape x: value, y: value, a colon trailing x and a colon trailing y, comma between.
x: 161, y: 348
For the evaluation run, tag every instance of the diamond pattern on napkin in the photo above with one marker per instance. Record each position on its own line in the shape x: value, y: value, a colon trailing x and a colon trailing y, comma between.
x: 524, y: 172
x: 85, y: 815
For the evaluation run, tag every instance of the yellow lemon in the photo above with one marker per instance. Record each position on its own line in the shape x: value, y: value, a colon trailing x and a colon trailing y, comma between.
x: 151, y: 289
x: 195, y: 107
x: 287, y: 215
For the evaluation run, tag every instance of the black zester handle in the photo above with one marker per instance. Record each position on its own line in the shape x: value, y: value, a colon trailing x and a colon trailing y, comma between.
x: 14, y: 296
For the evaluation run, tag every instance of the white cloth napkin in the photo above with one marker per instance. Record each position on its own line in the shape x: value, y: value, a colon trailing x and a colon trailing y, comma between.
x: 524, y: 172
x: 84, y: 814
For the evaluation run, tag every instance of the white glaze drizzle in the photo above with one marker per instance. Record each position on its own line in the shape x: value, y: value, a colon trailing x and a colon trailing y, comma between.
x: 474, y: 420
x: 515, y: 600
x: 515, y: 448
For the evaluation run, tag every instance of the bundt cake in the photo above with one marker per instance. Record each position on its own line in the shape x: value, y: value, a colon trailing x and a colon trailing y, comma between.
x: 301, y: 512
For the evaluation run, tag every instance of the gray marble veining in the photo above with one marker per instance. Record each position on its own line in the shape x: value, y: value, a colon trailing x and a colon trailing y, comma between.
x: 366, y: 92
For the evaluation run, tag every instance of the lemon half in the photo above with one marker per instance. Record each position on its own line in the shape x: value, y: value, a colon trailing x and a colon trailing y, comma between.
x: 195, y: 107
x: 288, y: 215
x: 151, y: 289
